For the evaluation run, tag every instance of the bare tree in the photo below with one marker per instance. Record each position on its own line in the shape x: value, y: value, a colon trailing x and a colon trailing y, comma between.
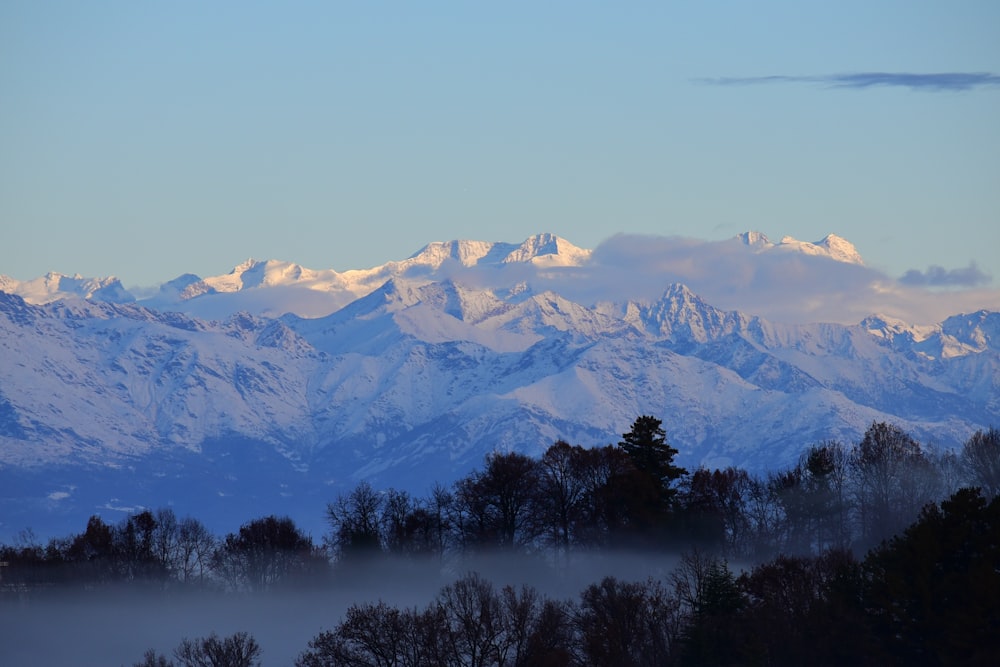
x: 498, y: 506
x: 356, y: 522
x: 263, y: 553
x: 981, y: 461
x: 893, y: 479
x: 621, y: 623
x: 562, y: 491
x: 238, y: 650
x: 194, y: 549
x: 475, y: 628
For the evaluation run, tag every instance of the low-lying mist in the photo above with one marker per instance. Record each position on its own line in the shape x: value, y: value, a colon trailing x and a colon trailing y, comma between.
x: 116, y: 625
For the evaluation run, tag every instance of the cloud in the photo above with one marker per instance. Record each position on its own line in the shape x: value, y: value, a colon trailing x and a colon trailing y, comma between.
x: 780, y: 286
x: 940, y: 81
x: 938, y: 276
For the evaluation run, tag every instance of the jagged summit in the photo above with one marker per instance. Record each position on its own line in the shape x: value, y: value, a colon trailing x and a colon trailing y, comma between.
x: 277, y: 286
x: 831, y: 245
x: 55, y: 286
x: 547, y: 249
x: 754, y: 239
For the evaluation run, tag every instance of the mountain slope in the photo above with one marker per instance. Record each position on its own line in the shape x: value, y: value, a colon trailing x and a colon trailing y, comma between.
x: 106, y: 405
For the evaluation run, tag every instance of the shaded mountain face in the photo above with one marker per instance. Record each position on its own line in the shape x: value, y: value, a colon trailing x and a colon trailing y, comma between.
x: 107, y: 407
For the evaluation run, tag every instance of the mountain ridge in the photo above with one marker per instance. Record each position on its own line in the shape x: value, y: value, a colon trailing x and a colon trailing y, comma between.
x: 422, y: 376
x: 544, y: 250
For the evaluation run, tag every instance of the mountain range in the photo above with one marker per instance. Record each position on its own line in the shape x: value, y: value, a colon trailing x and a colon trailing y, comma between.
x: 274, y: 387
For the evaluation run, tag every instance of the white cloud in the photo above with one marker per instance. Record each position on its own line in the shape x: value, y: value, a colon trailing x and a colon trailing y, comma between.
x: 780, y: 286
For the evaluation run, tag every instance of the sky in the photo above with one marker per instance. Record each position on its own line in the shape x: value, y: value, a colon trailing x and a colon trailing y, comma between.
x: 146, y: 140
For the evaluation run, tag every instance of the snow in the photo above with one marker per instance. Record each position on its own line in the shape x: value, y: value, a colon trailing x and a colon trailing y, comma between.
x: 831, y: 246
x: 419, y: 373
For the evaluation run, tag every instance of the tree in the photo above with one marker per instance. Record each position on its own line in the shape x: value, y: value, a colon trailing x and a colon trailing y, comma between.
x: 92, y: 553
x: 498, y: 506
x: 264, y: 552
x: 470, y: 623
x: 711, y: 602
x: 355, y: 521
x: 193, y: 552
x: 893, y: 479
x: 825, y: 471
x: 932, y: 591
x: 646, y: 445
x: 134, y: 548
x: 981, y: 460
x: 377, y: 635
x: 618, y: 499
x: 473, y: 614
x: 562, y: 492
x: 804, y: 611
x: 622, y: 623
x: 165, y: 540
x: 238, y: 650
x: 153, y: 659
x: 714, y: 513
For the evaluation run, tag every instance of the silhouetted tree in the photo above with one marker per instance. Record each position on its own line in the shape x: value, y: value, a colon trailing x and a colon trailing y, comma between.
x: 355, y: 521
x: 238, y: 650
x: 475, y: 630
x: 470, y: 623
x: 623, y: 623
x: 714, y: 512
x: 153, y: 659
x: 711, y: 602
x: 803, y: 611
x: 620, y: 506
x: 194, y: 550
x: 264, y: 552
x: 647, y: 447
x: 981, y: 460
x: 893, y: 479
x: 498, y: 506
x: 135, y: 556
x: 932, y: 591
x: 92, y: 553
x: 377, y: 635
x: 562, y: 492
x: 825, y: 474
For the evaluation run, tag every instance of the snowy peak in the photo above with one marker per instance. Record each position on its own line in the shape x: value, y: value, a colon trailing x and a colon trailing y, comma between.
x: 756, y: 240
x: 466, y: 253
x: 271, y: 273
x: 682, y: 314
x: 831, y: 246
x: 958, y: 336
x: 545, y: 249
x: 979, y: 330
x: 548, y: 250
x: 56, y: 286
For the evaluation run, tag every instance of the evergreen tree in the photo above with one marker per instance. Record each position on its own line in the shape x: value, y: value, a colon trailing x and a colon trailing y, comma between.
x: 647, y: 447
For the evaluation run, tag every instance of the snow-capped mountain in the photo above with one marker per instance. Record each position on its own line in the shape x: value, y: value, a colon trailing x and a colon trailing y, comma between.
x: 429, y: 364
x: 56, y: 286
x: 831, y: 246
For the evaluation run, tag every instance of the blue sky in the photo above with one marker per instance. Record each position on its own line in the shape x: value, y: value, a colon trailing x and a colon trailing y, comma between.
x: 148, y: 139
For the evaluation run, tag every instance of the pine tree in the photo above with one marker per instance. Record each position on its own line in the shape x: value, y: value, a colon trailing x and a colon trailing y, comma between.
x: 647, y: 448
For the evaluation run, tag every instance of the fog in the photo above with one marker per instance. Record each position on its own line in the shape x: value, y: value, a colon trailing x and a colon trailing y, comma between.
x: 116, y: 626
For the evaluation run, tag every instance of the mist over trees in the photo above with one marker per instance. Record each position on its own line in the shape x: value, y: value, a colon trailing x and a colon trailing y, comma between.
x: 882, y: 552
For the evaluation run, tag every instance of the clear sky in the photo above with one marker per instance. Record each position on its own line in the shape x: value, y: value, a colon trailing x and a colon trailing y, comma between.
x: 149, y: 139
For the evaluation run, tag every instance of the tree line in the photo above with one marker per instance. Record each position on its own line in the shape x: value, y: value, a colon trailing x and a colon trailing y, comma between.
x: 928, y: 596
x: 802, y: 532
x: 570, y: 499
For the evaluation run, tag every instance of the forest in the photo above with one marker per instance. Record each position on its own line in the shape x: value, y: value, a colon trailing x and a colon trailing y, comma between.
x: 879, y: 552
